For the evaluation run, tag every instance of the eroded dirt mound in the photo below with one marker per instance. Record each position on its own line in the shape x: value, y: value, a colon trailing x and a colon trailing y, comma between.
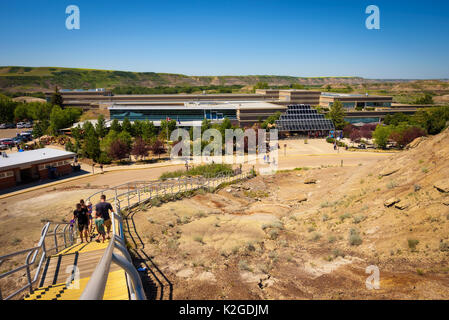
x: 285, y: 237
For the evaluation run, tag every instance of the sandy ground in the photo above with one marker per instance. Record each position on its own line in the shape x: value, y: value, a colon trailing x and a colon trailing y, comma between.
x: 279, y: 238
x: 11, y: 133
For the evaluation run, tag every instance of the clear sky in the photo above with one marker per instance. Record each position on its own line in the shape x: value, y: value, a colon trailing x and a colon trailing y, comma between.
x: 227, y: 37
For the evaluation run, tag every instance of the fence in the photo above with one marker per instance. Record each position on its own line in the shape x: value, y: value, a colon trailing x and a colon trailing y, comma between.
x: 68, y: 238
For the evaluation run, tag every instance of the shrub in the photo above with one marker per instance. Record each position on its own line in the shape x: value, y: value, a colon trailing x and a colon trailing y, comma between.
x: 412, y: 243
x: 274, y: 234
x: 316, y: 236
x: 156, y: 202
x: 198, y: 239
x: 345, y: 216
x: 392, y: 184
x: 243, y: 265
x: 444, y: 246
x: 354, y: 237
x: 172, y: 244
x: 338, y: 253
x: 359, y: 219
x: 208, y: 170
x: 250, y: 247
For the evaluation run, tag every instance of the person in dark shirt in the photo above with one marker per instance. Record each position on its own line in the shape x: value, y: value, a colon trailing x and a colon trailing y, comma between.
x: 81, y: 216
x: 102, y: 209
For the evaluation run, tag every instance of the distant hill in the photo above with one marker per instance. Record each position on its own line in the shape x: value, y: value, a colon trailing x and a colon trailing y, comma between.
x: 23, y: 81
x: 28, y: 79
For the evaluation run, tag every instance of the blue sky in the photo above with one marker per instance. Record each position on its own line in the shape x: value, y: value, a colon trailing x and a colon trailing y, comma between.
x: 279, y: 37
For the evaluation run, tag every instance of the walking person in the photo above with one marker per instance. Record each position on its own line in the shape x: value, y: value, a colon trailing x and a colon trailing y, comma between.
x: 91, y: 219
x: 102, y: 208
x: 80, y: 215
x: 99, y: 223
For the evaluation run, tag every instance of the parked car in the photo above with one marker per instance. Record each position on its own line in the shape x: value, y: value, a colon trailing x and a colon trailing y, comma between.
x: 7, y: 142
x: 20, y: 125
x: 28, y: 125
x: 3, y: 146
x: 26, y: 136
x: 17, y: 140
x: 7, y: 126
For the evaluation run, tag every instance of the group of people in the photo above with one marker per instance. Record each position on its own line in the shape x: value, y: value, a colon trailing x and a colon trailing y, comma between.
x: 87, y: 218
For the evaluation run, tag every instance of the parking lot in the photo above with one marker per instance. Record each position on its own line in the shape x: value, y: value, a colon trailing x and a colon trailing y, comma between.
x: 11, y: 133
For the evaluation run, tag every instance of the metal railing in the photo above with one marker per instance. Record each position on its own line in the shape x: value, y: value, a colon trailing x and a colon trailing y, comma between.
x: 96, y: 286
x: 68, y: 238
x: 137, y: 193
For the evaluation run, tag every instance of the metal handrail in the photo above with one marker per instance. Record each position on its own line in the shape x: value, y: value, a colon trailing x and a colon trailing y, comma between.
x: 95, y: 288
x: 32, y: 254
x: 97, y: 283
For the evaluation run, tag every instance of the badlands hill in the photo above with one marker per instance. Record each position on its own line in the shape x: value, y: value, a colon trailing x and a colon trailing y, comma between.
x: 311, y: 233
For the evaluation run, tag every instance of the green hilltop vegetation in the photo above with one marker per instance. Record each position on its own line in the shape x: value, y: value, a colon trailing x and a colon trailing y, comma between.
x: 32, y: 79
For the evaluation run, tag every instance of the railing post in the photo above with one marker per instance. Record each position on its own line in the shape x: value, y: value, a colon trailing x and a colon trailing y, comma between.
x: 138, y: 194
x: 65, y: 238
x: 30, y: 283
x: 56, y: 237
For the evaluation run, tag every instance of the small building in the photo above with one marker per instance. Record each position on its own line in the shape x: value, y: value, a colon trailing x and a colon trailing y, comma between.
x: 28, y: 166
x: 355, y: 101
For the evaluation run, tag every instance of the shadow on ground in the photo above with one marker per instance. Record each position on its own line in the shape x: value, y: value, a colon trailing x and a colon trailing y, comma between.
x: 156, y: 285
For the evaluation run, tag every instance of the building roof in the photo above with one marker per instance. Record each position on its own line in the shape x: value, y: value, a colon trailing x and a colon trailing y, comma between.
x: 201, y: 106
x: 347, y: 95
x: 26, y: 158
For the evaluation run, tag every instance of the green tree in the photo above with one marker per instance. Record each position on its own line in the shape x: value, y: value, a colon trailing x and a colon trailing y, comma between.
x: 381, y: 135
x: 148, y: 130
x: 91, y: 147
x: 337, y: 115
x: 40, y: 128
x: 426, y: 99
x: 126, y: 126
x: 271, y: 120
x: 115, y: 126
x: 7, y: 108
x: 100, y: 127
x: 22, y: 112
x: 261, y: 85
x: 167, y: 127
x: 297, y: 86
x: 56, y: 98
x: 60, y: 119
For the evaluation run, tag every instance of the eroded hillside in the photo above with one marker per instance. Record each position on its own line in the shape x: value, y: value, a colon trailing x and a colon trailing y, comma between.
x: 312, y: 233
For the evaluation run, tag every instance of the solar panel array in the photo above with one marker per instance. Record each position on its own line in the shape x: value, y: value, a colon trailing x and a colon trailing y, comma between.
x: 301, y: 117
